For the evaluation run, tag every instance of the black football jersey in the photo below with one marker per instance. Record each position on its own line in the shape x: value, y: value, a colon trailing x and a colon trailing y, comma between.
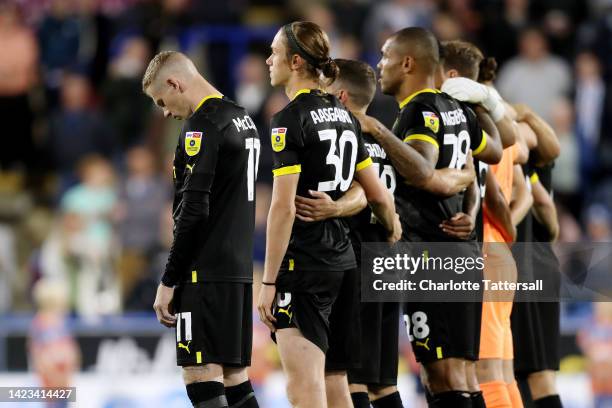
x: 218, y: 153
x: 316, y: 136
x: 364, y: 227
x: 434, y: 117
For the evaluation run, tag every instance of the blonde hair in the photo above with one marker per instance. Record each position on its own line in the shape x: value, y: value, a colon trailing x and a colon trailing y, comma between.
x: 155, y: 66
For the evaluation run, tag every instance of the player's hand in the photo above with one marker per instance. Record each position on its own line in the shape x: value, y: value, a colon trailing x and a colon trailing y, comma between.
x: 396, y: 234
x: 162, y: 305
x: 459, y: 226
x: 319, y: 208
x: 264, y: 306
x: 465, y: 90
x: 368, y: 123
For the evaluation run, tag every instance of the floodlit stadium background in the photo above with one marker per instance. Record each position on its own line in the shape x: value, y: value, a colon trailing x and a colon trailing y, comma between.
x: 85, y: 182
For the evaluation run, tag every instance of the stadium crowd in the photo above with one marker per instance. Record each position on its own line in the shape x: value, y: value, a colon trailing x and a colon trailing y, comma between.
x: 85, y: 178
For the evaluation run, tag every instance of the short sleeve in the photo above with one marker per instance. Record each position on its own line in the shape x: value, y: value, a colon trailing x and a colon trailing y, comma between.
x: 200, y: 147
x: 421, y: 123
x: 363, y: 157
x: 287, y: 141
x: 478, y: 137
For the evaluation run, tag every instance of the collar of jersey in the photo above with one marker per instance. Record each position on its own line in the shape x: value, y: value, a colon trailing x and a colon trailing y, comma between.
x: 205, y: 99
x: 411, y: 97
x: 301, y: 91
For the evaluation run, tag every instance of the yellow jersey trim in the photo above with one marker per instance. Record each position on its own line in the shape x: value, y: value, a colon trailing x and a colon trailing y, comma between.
x: 534, y: 178
x: 423, y: 138
x: 439, y: 353
x: 301, y: 91
x: 291, y: 264
x: 215, y: 96
x: 198, y: 357
x: 283, y: 171
x: 363, y: 164
x: 411, y: 97
x: 194, y: 276
x: 483, y: 144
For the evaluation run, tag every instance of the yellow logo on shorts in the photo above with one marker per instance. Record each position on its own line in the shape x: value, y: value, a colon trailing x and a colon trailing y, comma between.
x: 186, y: 347
x: 278, y: 139
x: 426, y: 345
x: 432, y: 121
x: 286, y: 311
x: 193, y: 142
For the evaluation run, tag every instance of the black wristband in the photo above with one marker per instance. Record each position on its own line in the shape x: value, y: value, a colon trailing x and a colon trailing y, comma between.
x: 268, y: 283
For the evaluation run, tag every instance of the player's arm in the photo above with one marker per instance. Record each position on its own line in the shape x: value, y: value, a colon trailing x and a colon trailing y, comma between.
x: 548, y: 147
x: 490, y: 149
x: 447, y: 182
x: 321, y: 206
x: 462, y: 224
x: 522, y: 199
x: 406, y: 160
x: 193, y: 213
x: 380, y: 201
x: 497, y: 206
x: 544, y: 209
x: 467, y: 90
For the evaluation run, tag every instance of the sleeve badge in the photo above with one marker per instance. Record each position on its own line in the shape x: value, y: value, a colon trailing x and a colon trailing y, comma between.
x: 432, y: 121
x: 193, y: 142
x: 278, y: 139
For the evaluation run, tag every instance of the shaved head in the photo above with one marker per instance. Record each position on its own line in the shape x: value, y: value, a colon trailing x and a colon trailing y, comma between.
x: 168, y: 64
x: 420, y: 44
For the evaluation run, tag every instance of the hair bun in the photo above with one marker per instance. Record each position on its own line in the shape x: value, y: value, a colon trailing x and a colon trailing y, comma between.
x: 488, y: 68
x: 330, y: 69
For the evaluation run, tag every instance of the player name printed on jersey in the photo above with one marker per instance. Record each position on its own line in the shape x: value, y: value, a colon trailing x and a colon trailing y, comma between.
x: 453, y: 117
x: 244, y: 123
x: 278, y: 139
x: 374, y: 150
x: 193, y: 142
x: 330, y: 115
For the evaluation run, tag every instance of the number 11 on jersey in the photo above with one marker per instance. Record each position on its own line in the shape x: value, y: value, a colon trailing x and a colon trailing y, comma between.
x: 253, y: 146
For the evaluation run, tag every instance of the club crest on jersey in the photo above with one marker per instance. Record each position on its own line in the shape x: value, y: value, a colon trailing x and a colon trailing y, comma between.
x: 193, y: 142
x: 432, y: 121
x: 278, y: 139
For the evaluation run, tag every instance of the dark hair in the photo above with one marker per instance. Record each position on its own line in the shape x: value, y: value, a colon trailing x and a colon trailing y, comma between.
x: 309, y: 41
x: 488, y: 67
x: 422, y: 45
x: 463, y: 56
x: 359, y: 79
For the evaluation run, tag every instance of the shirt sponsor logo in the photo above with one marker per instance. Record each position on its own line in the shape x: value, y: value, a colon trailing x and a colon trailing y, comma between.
x: 432, y: 121
x: 278, y: 139
x: 193, y: 142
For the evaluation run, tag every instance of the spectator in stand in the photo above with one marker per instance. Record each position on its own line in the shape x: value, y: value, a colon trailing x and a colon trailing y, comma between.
x: 389, y: 16
x: 566, y: 173
x: 125, y: 105
x: 76, y: 130
x: 58, y: 36
x: 534, y: 77
x: 589, y: 103
x: 142, y: 197
x: 253, y: 86
x: 18, y: 74
x: 500, y: 27
x: 54, y: 354
x: 80, y: 250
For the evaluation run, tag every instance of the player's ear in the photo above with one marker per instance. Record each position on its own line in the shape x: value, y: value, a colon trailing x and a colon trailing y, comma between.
x: 174, y: 84
x: 408, y: 64
x: 295, y: 62
x: 453, y: 73
x: 342, y: 96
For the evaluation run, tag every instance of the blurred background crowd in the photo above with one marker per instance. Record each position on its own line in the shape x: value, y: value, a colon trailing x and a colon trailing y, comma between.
x: 85, y: 163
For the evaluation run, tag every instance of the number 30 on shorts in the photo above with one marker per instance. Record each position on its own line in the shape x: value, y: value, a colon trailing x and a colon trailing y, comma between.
x: 420, y: 329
